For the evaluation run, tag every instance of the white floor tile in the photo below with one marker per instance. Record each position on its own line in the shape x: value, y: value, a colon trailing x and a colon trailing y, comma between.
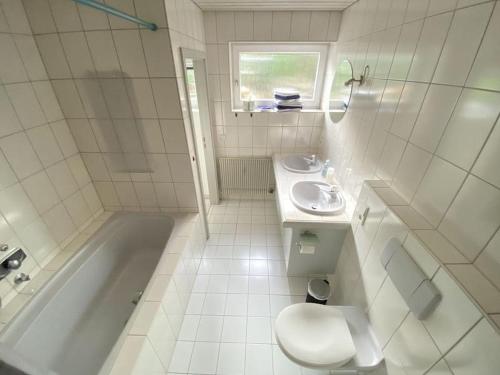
x: 201, y: 284
x: 236, y: 304
x: 258, y: 267
x: 204, y: 358
x: 218, y: 284
x: 259, y: 359
x: 241, y: 252
x: 238, y: 284
x: 240, y: 267
x: 209, y: 328
x: 258, y: 305
x: 234, y: 329
x: 282, y: 365
x: 214, y: 304
x: 259, y: 330
x: 195, y: 303
x: 189, y: 327
x: 181, y: 357
x: 258, y: 285
x: 231, y: 359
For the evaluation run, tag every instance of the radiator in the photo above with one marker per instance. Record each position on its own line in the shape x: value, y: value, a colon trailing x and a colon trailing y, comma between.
x: 245, y: 177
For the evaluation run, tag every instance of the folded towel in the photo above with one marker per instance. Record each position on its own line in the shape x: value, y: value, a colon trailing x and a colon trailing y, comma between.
x: 286, y: 94
x: 286, y: 97
x: 288, y: 102
x: 288, y: 107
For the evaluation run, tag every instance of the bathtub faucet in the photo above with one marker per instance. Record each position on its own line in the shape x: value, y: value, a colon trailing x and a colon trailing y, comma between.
x: 11, y: 261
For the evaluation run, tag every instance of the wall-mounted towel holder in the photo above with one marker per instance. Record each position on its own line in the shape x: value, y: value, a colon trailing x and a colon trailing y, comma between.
x: 417, y: 290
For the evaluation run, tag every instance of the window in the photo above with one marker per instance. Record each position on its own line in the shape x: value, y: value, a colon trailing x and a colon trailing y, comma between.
x: 259, y: 68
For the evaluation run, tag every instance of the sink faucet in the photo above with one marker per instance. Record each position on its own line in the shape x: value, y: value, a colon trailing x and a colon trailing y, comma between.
x: 312, y: 160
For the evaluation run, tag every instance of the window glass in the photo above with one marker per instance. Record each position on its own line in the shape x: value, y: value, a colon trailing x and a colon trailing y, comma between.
x: 262, y: 72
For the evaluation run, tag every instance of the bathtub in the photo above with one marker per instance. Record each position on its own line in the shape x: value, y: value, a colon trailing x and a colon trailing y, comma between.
x: 71, y: 325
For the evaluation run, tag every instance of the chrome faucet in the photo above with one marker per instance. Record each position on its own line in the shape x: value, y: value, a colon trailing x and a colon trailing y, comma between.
x: 12, y: 261
x: 21, y: 277
x: 313, y: 160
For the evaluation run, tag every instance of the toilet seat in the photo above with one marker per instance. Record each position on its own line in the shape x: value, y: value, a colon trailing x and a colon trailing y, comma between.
x: 315, y: 335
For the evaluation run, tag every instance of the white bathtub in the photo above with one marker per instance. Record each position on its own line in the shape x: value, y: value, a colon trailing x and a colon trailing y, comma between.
x: 71, y: 325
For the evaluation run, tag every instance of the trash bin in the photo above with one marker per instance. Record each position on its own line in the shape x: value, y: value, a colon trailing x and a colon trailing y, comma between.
x: 318, y: 291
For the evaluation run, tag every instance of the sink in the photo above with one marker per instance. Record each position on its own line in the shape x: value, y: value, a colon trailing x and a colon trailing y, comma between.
x: 316, y: 197
x: 301, y: 164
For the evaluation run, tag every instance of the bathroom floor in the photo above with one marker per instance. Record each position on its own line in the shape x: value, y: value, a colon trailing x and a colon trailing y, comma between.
x: 239, y: 290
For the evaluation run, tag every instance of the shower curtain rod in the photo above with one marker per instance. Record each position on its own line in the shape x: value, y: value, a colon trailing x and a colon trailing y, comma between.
x: 118, y: 13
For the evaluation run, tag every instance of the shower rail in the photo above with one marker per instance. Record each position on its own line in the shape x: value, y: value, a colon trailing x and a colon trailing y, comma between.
x: 118, y: 13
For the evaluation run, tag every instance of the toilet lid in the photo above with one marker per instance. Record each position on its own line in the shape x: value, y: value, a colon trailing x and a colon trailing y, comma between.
x: 314, y: 335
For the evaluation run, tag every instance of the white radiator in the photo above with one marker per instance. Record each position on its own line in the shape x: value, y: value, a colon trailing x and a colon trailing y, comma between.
x: 246, y: 177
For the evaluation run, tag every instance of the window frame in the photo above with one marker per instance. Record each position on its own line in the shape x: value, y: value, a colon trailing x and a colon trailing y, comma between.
x: 236, y: 48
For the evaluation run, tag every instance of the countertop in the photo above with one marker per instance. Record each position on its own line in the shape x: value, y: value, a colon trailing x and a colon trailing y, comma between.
x: 291, y: 215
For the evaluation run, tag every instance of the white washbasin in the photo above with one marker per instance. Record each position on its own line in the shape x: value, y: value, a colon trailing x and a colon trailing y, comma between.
x: 301, y: 163
x: 317, y: 198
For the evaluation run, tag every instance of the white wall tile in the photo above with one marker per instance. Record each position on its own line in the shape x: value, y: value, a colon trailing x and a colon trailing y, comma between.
x: 462, y: 43
x: 484, y: 292
x: 454, y: 315
x: 429, y: 47
x: 11, y: 65
x: 48, y: 101
x: 484, y: 70
x: 78, y: 54
x: 474, y: 117
x: 477, y: 352
x: 413, y: 346
x: 65, y: 15
x: 130, y: 53
x: 489, y: 260
x: 408, y: 39
x: 40, y: 16
x: 434, y: 114
x: 20, y: 154
x: 158, y: 53
x: 469, y: 224
x: 30, y: 56
x: 45, y: 145
x: 64, y: 138
x: 63, y: 180
x: 437, y: 189
x: 166, y: 98
x: 408, y: 108
x: 16, y: 207
x: 8, y: 116
x: 485, y: 164
x: 411, y: 170
x: 26, y: 104
x: 53, y: 56
x: 103, y: 53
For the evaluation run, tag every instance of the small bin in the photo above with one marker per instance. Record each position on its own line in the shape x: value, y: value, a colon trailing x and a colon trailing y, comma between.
x: 318, y: 291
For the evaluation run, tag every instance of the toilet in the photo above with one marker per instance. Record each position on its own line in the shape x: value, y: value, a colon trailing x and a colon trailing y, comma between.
x: 328, y: 337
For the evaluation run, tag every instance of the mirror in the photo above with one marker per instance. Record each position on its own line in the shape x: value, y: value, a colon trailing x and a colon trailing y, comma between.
x: 341, y: 90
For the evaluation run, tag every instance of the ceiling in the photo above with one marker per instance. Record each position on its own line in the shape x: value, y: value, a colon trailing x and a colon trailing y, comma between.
x: 273, y: 4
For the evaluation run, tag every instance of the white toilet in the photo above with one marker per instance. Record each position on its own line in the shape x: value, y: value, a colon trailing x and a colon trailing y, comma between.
x: 328, y: 337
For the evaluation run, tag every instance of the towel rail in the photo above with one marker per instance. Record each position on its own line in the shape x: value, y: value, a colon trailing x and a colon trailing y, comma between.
x: 118, y: 13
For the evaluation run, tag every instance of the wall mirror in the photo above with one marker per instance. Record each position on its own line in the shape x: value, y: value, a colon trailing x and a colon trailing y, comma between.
x: 341, y: 90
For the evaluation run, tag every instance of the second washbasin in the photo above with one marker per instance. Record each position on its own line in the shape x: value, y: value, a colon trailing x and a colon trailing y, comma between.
x: 301, y: 163
x: 317, y: 198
